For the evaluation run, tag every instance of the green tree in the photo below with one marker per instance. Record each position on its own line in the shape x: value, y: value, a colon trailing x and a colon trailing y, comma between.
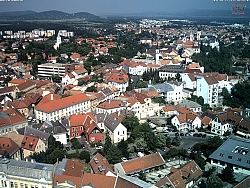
x: 84, y: 155
x: 91, y: 89
x: 108, y: 143
x: 198, y: 159
x: 7, y: 79
x: 141, y: 84
x: 141, y: 144
x: 214, y: 181
x: 130, y: 121
x: 114, y: 155
x: 123, y: 146
x: 227, y: 174
x: 75, y: 143
x: 142, y: 176
x: 176, y: 141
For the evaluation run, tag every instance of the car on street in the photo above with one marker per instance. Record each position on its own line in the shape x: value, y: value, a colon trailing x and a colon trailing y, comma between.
x: 83, y: 146
x: 67, y: 148
x: 181, y: 134
x: 204, y: 136
x: 98, y: 147
x: 177, y: 134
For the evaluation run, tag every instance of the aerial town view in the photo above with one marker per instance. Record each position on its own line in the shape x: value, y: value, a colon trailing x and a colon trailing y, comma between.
x: 124, y: 94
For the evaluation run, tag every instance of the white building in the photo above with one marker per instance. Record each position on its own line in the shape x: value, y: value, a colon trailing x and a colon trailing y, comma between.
x: 110, y: 106
x: 185, y: 122
x: 207, y: 87
x: 53, y: 108
x: 116, y: 129
x: 68, y: 79
x: 135, y: 68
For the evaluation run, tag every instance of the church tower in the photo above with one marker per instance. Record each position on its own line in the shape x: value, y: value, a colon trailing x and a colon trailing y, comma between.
x: 58, y: 41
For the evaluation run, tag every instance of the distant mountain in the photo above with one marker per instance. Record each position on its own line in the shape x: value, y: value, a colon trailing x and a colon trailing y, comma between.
x: 47, y: 15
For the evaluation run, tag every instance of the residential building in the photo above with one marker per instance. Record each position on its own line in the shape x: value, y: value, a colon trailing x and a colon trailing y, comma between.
x: 234, y: 152
x: 111, y: 106
x: 10, y: 120
x: 134, y: 68
x: 9, y: 149
x: 207, y: 87
x: 142, y: 164
x: 194, y: 106
x: 68, y: 79
x: 85, y: 125
x: 186, y: 121
x: 224, y: 122
x: 170, y: 71
x: 49, y: 69
x: 117, y: 78
x: 17, y: 173
x: 183, y: 177
x: 243, y: 129
x: 31, y: 145
x: 171, y: 91
x: 53, y: 108
x: 108, y: 123
x: 100, y: 165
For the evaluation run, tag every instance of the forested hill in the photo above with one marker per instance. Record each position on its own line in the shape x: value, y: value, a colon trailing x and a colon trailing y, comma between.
x: 47, y: 15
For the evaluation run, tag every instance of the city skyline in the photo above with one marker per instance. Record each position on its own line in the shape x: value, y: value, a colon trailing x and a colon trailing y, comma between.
x: 101, y: 7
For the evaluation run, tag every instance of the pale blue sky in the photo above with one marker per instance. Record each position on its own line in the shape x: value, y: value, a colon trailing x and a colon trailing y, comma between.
x: 99, y: 7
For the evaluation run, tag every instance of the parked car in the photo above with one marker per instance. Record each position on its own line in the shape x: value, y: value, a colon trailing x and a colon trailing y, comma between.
x: 195, y: 134
x: 204, y: 135
x: 169, y: 146
x: 98, y: 147
x: 177, y: 134
x: 83, y: 146
x: 181, y: 134
x: 72, y: 147
x: 124, y: 159
x: 199, y: 135
x: 67, y: 148
x: 140, y: 154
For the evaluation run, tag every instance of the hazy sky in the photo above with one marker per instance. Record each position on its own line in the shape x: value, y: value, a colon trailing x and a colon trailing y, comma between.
x: 100, y: 7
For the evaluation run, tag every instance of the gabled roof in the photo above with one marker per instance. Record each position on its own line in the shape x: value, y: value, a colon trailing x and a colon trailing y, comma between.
x: 206, y: 120
x: 180, y: 176
x: 100, y: 165
x: 11, y: 116
x: 29, y: 143
x: 61, y: 103
x: 229, y: 117
x: 110, y: 104
x: 186, y: 118
x: 110, y: 121
x: 98, y: 181
x: 8, y: 147
x: 142, y: 163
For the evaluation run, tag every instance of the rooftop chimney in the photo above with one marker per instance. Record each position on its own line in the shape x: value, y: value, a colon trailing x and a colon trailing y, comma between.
x: 51, y: 96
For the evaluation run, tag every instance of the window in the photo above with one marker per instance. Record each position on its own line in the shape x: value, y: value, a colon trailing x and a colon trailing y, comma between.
x: 238, y: 159
x: 230, y: 157
x: 248, y: 161
x: 221, y: 154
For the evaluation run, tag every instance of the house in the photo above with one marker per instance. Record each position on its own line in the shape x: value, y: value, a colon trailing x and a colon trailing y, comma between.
x: 133, y: 105
x: 31, y: 145
x: 109, y: 123
x: 18, y: 173
x: 10, y: 120
x: 12, y: 91
x: 182, y: 177
x: 85, y: 125
x: 170, y: 110
x: 171, y: 91
x: 117, y: 78
x: 170, y: 71
x: 9, y: 149
x: 53, y: 108
x: 194, y: 106
x: 68, y: 79
x: 23, y: 105
x: 243, y: 129
x: 134, y: 68
x: 111, y: 106
x: 142, y: 164
x: 233, y: 152
x: 186, y: 121
x: 5, y: 99
x: 147, y: 107
x: 224, y: 122
x: 35, y: 132
x: 100, y: 165
x: 55, y: 128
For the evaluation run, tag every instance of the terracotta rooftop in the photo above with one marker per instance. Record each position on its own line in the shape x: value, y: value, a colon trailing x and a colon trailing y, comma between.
x: 143, y: 163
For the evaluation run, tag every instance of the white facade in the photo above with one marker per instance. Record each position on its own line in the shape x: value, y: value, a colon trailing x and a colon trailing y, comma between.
x: 121, y: 86
x: 109, y: 110
x: 62, y: 137
x: 67, y: 80
x: 209, y: 92
x: 119, y: 133
x: 189, y: 124
x: 218, y: 128
x: 189, y: 84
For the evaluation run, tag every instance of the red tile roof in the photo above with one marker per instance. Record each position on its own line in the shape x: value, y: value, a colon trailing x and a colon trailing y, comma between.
x: 99, y: 161
x: 29, y: 143
x: 61, y: 103
x: 99, y: 181
x: 143, y: 163
x: 111, y: 104
x: 7, y: 147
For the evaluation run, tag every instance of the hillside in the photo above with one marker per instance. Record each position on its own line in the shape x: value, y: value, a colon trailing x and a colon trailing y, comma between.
x: 47, y: 15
